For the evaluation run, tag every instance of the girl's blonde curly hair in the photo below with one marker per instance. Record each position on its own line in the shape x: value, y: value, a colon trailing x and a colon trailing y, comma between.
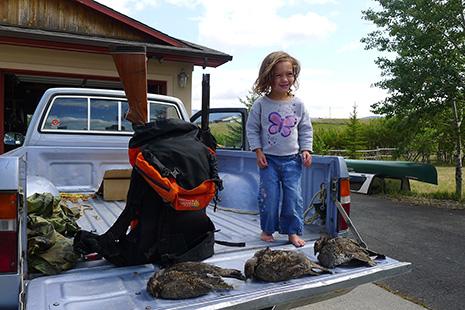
x: 264, y: 81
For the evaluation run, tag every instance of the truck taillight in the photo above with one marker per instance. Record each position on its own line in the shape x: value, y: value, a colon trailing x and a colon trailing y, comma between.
x: 8, y: 232
x: 344, y: 196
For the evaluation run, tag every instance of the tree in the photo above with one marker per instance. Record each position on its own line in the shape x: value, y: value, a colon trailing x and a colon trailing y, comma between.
x: 353, y: 133
x: 232, y: 134
x: 326, y: 139
x: 423, y: 62
x: 380, y: 132
x: 249, y: 99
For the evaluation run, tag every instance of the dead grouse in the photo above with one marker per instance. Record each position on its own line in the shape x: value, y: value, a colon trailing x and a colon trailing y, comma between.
x: 204, y: 268
x: 280, y: 265
x: 340, y: 250
x: 190, y: 279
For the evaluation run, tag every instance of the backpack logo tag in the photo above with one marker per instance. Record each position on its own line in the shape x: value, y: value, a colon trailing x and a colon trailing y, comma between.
x: 188, y: 203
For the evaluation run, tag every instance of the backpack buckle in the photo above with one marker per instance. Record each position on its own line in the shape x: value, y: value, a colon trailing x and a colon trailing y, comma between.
x: 175, y: 172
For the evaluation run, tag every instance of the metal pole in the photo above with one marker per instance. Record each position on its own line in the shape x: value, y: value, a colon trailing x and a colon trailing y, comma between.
x: 205, y: 100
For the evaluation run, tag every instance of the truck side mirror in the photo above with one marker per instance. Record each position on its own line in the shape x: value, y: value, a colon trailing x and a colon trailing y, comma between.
x: 13, y: 138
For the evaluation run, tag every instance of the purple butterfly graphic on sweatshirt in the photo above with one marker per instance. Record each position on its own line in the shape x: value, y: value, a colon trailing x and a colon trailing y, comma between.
x: 280, y: 124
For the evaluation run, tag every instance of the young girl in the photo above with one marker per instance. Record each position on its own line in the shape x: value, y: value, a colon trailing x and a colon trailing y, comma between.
x: 279, y: 131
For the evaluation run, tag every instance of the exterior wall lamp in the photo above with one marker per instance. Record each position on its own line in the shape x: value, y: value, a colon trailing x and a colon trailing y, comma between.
x: 182, y: 79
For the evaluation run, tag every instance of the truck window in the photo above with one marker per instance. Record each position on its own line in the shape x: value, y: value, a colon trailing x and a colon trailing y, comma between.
x: 67, y: 114
x: 159, y: 110
x: 226, y: 127
x: 104, y: 115
x: 98, y: 115
x: 125, y: 124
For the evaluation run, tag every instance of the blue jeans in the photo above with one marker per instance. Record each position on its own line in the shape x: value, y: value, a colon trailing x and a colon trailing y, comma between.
x: 283, y: 175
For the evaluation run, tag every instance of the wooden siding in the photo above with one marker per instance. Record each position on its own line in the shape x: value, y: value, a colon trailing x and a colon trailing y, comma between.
x: 67, y: 16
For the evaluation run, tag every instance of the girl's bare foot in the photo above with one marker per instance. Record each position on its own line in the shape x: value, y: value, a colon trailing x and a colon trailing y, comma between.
x: 266, y: 237
x: 296, y: 240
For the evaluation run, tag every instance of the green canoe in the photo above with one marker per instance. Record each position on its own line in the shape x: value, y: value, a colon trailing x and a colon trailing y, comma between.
x: 395, y: 169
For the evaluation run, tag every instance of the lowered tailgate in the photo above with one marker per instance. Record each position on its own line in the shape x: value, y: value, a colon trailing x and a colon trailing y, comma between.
x: 99, y: 285
x: 105, y: 287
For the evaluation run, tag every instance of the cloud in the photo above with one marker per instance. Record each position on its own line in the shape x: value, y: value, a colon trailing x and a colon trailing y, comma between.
x: 128, y: 7
x: 315, y: 73
x: 318, y: 1
x: 226, y: 86
x: 258, y: 24
x: 350, y: 47
x: 327, y: 98
x: 184, y: 3
x: 245, y: 23
x: 323, y: 95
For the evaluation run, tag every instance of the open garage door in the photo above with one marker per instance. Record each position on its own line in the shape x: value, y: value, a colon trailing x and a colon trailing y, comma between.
x: 22, y: 92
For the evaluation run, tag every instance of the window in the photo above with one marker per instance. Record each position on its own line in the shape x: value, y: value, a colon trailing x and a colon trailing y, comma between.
x: 125, y: 124
x: 99, y: 115
x: 67, y: 114
x: 160, y: 110
x: 104, y: 115
x: 226, y: 127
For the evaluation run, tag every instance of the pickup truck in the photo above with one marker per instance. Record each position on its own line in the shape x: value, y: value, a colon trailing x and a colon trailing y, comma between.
x: 77, y: 134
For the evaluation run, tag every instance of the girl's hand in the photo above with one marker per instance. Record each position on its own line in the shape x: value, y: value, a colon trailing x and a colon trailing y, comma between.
x: 307, y: 158
x: 261, y: 159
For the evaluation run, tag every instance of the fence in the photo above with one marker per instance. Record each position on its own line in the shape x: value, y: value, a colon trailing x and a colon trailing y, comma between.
x: 385, y: 153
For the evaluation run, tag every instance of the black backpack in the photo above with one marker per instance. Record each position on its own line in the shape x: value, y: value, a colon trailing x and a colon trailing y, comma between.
x: 159, y: 232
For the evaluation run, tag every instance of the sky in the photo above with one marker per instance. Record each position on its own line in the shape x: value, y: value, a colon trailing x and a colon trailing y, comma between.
x: 324, y: 35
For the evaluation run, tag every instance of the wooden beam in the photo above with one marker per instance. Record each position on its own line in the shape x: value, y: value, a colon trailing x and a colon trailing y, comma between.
x: 131, y: 63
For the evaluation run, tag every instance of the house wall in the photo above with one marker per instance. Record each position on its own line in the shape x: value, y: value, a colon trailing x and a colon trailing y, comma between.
x: 89, y: 64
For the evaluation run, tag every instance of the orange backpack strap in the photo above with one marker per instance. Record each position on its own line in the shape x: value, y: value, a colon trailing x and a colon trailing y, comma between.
x: 132, y: 154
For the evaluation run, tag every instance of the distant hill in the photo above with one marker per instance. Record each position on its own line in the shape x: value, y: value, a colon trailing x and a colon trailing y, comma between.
x: 341, y: 120
x: 330, y: 120
x: 318, y: 120
x: 372, y: 117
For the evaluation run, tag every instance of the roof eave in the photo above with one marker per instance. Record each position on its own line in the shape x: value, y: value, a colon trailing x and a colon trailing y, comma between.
x: 80, y: 43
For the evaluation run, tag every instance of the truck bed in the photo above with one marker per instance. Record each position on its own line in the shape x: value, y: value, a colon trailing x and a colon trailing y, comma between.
x: 75, y: 161
x: 100, y: 285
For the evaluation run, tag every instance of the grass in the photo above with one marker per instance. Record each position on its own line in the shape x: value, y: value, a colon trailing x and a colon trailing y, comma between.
x: 441, y: 195
x: 446, y: 183
x: 335, y: 123
x: 444, y: 190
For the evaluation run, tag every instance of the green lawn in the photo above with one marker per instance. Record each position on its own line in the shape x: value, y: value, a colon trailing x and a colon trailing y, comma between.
x: 446, y: 182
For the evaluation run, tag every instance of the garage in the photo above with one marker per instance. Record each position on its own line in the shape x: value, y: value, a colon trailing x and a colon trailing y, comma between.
x: 66, y: 43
